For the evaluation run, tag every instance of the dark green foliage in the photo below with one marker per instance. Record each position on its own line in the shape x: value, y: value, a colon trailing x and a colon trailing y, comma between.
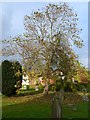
x: 88, y: 87
x: 81, y: 86
x: 10, y: 75
x: 31, y: 91
x: 68, y: 86
x: 58, y: 85
x: 52, y: 87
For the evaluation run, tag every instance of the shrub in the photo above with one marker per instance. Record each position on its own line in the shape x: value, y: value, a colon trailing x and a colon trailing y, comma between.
x: 52, y: 87
x: 10, y: 77
x: 41, y: 87
x: 66, y: 86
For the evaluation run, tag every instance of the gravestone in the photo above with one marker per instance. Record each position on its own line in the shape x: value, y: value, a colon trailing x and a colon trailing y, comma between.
x: 57, y: 104
x: 85, y: 97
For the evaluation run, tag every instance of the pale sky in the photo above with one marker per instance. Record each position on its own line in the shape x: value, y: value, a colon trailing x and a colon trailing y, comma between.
x: 13, y: 15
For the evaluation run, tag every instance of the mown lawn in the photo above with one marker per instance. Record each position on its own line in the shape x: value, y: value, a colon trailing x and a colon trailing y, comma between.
x: 39, y: 106
x: 81, y: 111
x: 31, y: 106
x: 27, y: 110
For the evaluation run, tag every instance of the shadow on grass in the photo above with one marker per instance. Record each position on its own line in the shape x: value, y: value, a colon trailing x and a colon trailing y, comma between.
x: 39, y: 107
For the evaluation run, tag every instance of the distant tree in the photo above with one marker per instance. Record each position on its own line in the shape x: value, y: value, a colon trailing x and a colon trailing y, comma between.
x: 89, y: 75
x: 82, y: 74
x: 10, y: 75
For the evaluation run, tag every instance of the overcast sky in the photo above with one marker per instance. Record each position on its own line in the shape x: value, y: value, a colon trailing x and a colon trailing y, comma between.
x: 13, y: 17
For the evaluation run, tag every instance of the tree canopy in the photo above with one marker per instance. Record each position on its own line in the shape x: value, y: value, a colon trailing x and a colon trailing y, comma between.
x: 47, y: 43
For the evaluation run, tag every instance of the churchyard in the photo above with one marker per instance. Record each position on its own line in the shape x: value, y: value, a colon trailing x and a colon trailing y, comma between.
x: 40, y: 106
x: 45, y: 77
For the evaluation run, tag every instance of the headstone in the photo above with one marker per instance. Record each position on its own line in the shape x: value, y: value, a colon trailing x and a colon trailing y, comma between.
x: 85, y: 97
x: 56, y: 108
x: 57, y: 105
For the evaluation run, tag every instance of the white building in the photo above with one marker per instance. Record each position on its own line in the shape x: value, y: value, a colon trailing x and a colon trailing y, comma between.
x: 25, y: 81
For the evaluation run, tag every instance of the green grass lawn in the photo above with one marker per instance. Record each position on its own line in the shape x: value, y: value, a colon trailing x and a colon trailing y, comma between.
x: 27, y: 110
x: 39, y: 106
x: 31, y: 106
x: 81, y: 111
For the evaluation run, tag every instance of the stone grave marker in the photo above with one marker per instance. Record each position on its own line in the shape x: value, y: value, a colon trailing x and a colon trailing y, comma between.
x: 57, y: 104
